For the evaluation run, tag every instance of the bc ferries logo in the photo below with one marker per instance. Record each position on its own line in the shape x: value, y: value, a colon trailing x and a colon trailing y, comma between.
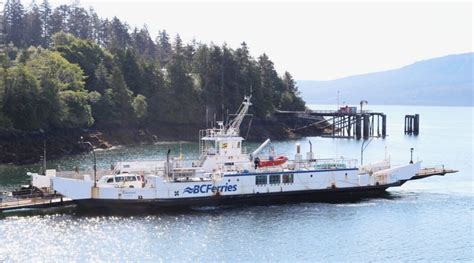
x: 206, y: 188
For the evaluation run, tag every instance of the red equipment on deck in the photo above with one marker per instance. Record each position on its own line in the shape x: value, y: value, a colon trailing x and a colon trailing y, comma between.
x: 277, y: 161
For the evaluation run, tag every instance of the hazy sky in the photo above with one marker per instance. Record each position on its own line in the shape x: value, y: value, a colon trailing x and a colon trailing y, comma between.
x: 311, y: 40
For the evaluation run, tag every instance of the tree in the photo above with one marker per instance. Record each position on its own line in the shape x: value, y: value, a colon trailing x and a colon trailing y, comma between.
x: 45, y: 14
x: 95, y: 71
x: 87, y: 54
x: 79, y: 22
x: 140, y: 106
x: 121, y: 97
x: 290, y: 99
x: 117, y: 35
x: 142, y: 42
x: 184, y: 96
x: 164, y: 47
x: 33, y: 26
x: 131, y: 70
x: 78, y: 112
x: 50, y: 66
x: 270, y: 88
x: 21, y: 103
x: 56, y: 75
x: 14, y: 24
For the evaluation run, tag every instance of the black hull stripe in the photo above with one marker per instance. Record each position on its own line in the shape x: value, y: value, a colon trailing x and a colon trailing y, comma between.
x: 277, y: 197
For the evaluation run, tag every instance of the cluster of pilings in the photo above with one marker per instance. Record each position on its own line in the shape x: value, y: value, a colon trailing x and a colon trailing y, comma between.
x: 412, y: 124
x: 360, y: 125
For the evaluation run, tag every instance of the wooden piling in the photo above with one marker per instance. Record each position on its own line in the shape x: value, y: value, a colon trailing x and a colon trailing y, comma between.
x: 384, y: 125
x: 416, y: 125
x: 358, y: 129
x: 366, y: 126
x: 412, y: 124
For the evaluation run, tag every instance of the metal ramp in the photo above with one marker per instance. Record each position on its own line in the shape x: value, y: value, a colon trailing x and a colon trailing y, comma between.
x: 431, y: 171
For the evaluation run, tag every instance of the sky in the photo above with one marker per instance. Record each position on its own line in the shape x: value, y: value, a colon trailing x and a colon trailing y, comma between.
x: 311, y: 40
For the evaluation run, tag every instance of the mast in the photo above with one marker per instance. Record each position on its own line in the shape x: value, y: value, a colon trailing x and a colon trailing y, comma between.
x: 233, y: 127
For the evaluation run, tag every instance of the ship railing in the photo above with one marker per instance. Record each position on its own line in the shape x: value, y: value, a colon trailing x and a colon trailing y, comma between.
x: 80, y: 174
x: 329, y: 163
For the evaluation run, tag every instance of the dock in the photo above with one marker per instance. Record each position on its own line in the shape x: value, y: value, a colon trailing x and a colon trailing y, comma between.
x: 340, y: 123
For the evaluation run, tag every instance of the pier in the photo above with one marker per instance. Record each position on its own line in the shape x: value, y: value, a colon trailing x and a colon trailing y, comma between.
x: 343, y: 123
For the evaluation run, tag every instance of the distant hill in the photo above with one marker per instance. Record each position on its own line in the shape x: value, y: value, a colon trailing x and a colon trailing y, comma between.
x: 445, y: 81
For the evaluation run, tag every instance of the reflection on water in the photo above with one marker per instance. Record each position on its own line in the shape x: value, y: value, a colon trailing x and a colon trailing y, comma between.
x: 427, y: 220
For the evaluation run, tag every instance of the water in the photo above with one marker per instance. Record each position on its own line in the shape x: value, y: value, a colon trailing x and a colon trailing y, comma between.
x: 426, y: 220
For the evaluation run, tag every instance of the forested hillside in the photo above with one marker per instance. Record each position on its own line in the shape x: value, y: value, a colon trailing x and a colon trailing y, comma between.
x: 66, y: 67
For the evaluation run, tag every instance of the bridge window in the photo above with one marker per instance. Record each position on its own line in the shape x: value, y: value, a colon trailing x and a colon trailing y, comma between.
x: 260, y: 179
x: 119, y: 179
x: 288, y: 178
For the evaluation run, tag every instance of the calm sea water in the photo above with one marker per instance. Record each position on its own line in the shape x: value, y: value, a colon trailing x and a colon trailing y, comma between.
x: 425, y: 220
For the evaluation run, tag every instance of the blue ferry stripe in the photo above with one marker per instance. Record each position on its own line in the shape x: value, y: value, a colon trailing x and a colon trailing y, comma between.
x: 291, y: 172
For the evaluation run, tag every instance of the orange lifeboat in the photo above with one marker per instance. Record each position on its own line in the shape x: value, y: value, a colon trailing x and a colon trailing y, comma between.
x: 277, y: 161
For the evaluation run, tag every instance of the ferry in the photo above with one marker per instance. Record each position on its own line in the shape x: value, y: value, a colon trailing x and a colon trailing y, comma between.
x: 226, y: 174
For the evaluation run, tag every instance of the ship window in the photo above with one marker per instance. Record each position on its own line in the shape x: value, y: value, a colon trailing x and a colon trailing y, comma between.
x: 275, y: 179
x: 238, y: 144
x: 130, y: 178
x: 260, y: 179
x: 288, y: 178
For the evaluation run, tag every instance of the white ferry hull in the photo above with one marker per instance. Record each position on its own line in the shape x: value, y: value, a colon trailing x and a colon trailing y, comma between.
x: 314, y: 185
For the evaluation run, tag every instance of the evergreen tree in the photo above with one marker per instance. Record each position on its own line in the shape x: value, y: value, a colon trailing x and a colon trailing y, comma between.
x: 118, y: 35
x: 184, y: 105
x: 33, y: 26
x: 45, y: 14
x: 94, y: 72
x: 122, y: 96
x: 79, y: 22
x: 58, y: 20
x: 164, y: 47
x: 14, y: 23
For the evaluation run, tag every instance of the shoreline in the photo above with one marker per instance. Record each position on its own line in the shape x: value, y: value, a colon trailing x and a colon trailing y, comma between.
x: 26, y: 147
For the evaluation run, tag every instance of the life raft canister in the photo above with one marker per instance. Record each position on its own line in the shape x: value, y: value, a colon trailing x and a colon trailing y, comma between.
x: 277, y: 161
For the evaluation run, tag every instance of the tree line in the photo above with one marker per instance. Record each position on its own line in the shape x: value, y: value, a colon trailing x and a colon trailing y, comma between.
x: 67, y: 68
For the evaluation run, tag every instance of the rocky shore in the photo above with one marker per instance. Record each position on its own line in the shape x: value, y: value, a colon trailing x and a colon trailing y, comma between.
x: 20, y: 147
